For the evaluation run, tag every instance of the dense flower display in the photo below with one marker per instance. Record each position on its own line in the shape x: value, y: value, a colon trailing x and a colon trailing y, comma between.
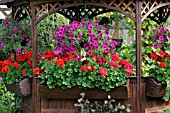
x: 69, y: 69
x: 84, y: 56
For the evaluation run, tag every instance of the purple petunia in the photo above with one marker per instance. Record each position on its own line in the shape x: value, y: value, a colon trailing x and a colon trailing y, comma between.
x: 168, y: 35
x: 6, y: 21
x: 156, y: 45
x: 28, y: 26
x: 89, y: 52
x: 15, y: 30
x: 96, y: 22
x: 19, y: 50
x: 153, y: 30
x: 83, y: 24
x: 161, y: 38
x: 12, y: 36
x: 155, y: 35
x: 29, y: 42
x: 22, y: 38
x: 80, y: 35
x: 99, y: 28
x: 53, y: 37
x: 1, y: 44
x: 100, y: 35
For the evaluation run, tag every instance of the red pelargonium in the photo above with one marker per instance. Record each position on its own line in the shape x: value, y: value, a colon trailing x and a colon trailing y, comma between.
x: 114, y: 64
x: 21, y: 57
x: 154, y: 56
x: 16, y: 65
x: 162, y: 64
x: 38, y: 71
x: 60, y: 62
x: 49, y: 54
x: 115, y: 57
x: 5, y: 69
x: 103, y: 72
x: 23, y: 71
x: 84, y: 68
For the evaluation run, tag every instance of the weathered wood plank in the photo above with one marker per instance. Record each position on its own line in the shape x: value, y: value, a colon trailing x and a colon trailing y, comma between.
x: 58, y: 111
x: 156, y: 109
x: 74, y: 93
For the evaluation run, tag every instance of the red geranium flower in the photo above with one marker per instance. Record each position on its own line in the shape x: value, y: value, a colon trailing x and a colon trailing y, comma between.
x: 23, y: 71
x: 154, y: 56
x: 21, y: 57
x: 162, y: 65
x: 60, y: 62
x: 115, y: 57
x: 83, y: 68
x: 103, y: 72
x: 114, y: 64
x: 36, y: 71
x: 49, y: 54
x: 16, y: 65
x: 5, y: 69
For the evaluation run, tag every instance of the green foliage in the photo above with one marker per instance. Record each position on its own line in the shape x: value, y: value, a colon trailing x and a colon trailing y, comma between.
x: 8, y: 104
x: 46, y: 28
x: 165, y: 111
x: 167, y: 94
x: 71, y: 76
x: 108, y: 106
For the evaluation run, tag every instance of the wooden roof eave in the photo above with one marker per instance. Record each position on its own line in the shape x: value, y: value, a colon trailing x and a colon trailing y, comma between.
x: 11, y: 3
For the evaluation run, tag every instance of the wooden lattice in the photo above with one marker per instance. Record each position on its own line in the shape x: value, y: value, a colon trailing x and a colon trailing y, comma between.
x: 160, y: 15
x: 78, y: 9
x: 149, y: 6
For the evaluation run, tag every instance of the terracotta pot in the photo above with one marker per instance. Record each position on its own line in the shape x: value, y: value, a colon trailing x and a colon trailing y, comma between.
x: 154, y: 89
x: 23, y: 88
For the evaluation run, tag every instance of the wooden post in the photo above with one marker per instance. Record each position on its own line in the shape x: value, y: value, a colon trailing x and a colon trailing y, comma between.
x: 138, y: 55
x: 35, y: 95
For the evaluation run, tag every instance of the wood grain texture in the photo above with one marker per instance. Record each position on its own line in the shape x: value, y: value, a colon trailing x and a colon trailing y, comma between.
x: 74, y: 93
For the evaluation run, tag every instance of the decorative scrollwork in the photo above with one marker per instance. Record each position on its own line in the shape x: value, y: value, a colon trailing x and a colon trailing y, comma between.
x: 76, y: 10
x: 21, y: 12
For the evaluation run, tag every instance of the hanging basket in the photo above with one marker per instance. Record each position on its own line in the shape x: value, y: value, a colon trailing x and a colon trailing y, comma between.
x: 119, y: 42
x: 23, y: 88
x: 154, y: 89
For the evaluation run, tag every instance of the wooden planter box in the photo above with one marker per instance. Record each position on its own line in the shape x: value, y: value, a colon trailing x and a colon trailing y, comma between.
x: 154, y: 89
x: 121, y: 92
x: 22, y: 88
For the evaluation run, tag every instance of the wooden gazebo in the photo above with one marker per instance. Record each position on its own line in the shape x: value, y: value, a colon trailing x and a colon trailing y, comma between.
x: 137, y: 10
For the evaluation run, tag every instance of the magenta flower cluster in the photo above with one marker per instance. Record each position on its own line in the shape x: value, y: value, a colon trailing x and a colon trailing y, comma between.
x: 160, y: 36
x: 88, y: 35
x: 14, y: 33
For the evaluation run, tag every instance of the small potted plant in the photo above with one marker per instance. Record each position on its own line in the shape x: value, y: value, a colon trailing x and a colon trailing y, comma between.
x: 156, y: 60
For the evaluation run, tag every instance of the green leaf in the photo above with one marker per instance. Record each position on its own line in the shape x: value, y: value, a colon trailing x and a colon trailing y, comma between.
x: 168, y: 50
